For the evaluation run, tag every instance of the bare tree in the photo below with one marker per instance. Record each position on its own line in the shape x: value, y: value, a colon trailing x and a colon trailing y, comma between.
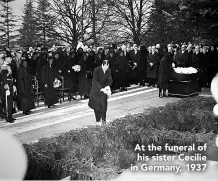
x: 100, y: 16
x: 132, y: 16
x: 70, y: 15
x: 75, y: 19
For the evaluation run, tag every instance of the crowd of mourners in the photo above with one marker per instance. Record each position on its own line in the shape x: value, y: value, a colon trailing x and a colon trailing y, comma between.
x: 129, y: 65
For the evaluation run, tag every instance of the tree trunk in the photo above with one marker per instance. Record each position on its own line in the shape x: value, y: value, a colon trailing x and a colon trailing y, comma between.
x: 75, y: 34
x: 136, y: 39
x: 82, y: 30
x: 8, y: 36
x: 94, y: 23
x: 44, y: 36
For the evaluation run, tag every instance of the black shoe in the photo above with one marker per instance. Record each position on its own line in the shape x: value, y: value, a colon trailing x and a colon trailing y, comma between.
x: 26, y: 113
x: 149, y: 85
x: 10, y: 120
x: 14, y: 111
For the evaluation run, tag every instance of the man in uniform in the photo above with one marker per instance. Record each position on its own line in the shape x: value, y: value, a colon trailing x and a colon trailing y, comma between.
x: 7, y: 89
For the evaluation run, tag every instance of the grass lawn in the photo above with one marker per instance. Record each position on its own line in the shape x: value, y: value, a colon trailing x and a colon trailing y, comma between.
x: 103, y: 153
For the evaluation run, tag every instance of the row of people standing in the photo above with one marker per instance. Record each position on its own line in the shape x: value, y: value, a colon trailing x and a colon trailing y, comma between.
x: 124, y: 65
x: 200, y: 57
x: 15, y: 88
x: 205, y: 61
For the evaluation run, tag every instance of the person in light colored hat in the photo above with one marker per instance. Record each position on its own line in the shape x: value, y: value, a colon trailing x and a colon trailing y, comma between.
x: 149, y: 49
x: 189, y: 47
x: 158, y: 46
x: 79, y: 45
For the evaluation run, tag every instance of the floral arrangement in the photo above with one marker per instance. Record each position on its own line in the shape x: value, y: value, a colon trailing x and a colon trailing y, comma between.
x: 76, y: 68
x: 188, y: 70
x: 107, y: 90
x: 57, y: 83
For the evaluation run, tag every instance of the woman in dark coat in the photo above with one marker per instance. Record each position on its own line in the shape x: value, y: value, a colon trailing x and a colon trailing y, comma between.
x: 98, y: 99
x: 25, y: 89
x: 49, y: 73
x: 33, y: 64
x: 59, y: 62
x: 41, y: 63
x: 142, y: 67
x: 102, y: 52
x: 25, y: 57
x: 123, y: 69
x: 85, y: 83
x: 90, y: 65
x: 71, y: 75
x: 98, y: 60
x: 113, y: 62
x: 165, y: 71
x: 80, y: 53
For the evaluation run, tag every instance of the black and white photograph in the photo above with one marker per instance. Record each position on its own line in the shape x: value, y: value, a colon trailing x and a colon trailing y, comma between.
x: 109, y: 90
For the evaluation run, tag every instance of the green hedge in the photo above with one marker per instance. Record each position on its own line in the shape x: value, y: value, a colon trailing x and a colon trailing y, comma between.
x: 102, y: 153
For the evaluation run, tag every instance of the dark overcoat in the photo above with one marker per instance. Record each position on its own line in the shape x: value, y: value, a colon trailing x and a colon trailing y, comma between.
x: 195, y: 59
x: 152, y: 71
x: 97, y: 99
x: 85, y: 83
x: 25, y: 90
x: 49, y: 73
x: 165, y: 71
x: 134, y: 57
x: 182, y: 59
x: 113, y: 62
x: 70, y: 74
x: 123, y: 69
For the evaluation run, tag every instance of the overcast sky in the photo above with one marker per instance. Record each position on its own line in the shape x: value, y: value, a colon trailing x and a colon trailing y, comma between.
x: 17, y: 6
